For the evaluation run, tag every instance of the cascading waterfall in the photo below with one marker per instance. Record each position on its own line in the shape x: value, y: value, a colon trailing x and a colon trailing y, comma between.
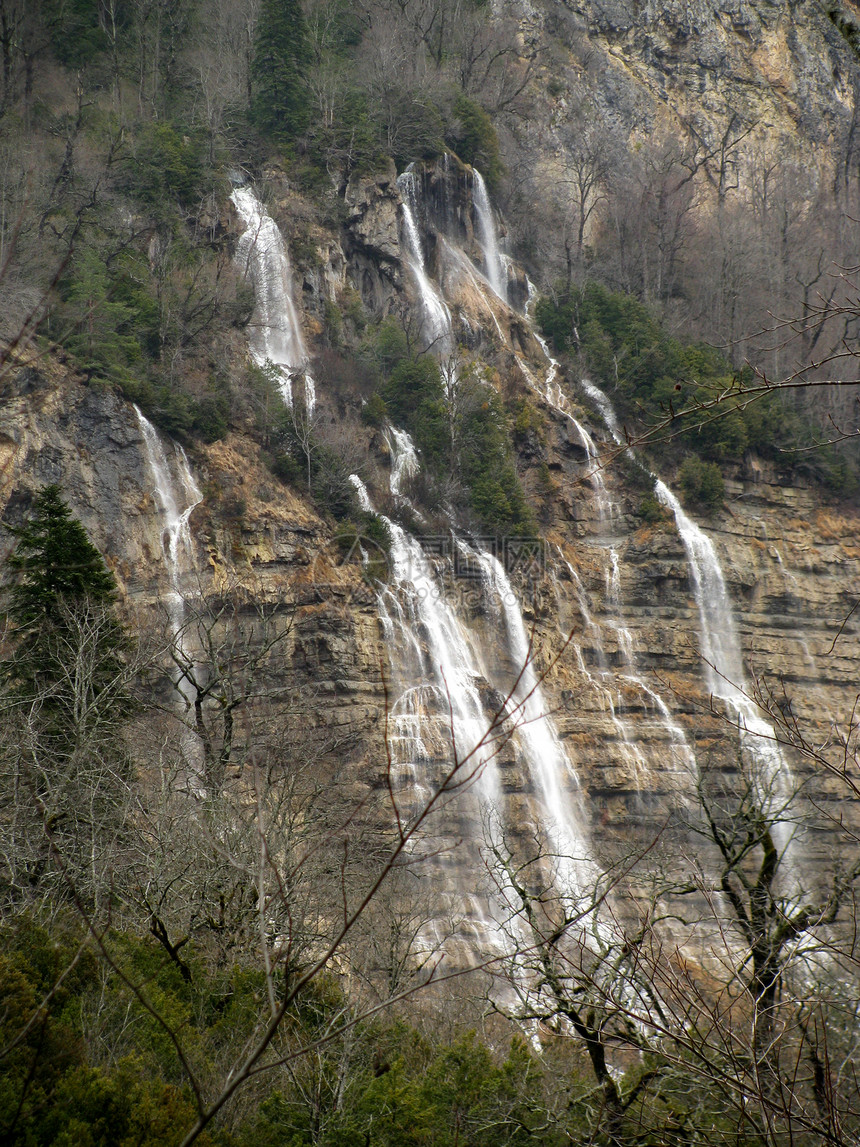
x: 176, y: 544
x: 552, y: 772
x: 495, y: 271
x: 276, y: 330
x: 437, y: 716
x: 553, y: 776
x: 721, y: 653
x: 178, y: 495
x: 720, y: 644
x: 555, y: 397
x: 404, y: 460
x: 721, y: 648
x: 436, y: 316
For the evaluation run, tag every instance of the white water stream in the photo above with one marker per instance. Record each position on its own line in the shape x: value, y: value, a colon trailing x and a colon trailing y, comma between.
x: 438, y: 726
x: 436, y: 316
x: 721, y: 649
x: 177, y: 495
x: 494, y: 267
x: 724, y: 673
x: 276, y: 332
x: 682, y: 755
x: 553, y: 776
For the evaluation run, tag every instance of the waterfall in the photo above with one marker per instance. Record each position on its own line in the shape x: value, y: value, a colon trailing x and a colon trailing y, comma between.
x: 404, y: 460
x: 554, y: 395
x: 176, y: 545
x: 177, y: 495
x: 605, y: 407
x: 445, y: 664
x: 276, y: 336
x: 437, y: 719
x: 721, y: 649
x: 495, y: 271
x: 721, y: 652
x: 436, y: 316
x: 552, y: 774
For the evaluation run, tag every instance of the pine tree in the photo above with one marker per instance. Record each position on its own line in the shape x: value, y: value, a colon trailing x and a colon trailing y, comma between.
x: 61, y: 599
x: 64, y: 700
x: 280, y: 103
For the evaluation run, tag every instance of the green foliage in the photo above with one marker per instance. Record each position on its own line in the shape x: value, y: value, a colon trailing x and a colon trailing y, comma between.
x: 49, y: 1091
x: 60, y: 605
x: 702, y: 484
x: 168, y: 167
x: 412, y: 1095
x: 652, y: 375
x: 368, y: 532
x: 210, y: 418
x: 652, y: 511
x: 55, y: 562
x: 414, y: 398
x: 280, y: 103
x: 473, y: 136
x: 393, y: 1088
x: 76, y: 32
x: 387, y: 346
x: 374, y: 412
x: 333, y: 323
x: 461, y: 430
x: 108, y: 316
x: 352, y: 137
x: 120, y: 323
x: 527, y: 420
x: 489, y: 471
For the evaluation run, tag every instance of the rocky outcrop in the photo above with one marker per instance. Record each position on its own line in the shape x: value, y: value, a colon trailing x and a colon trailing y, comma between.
x: 252, y: 537
x: 373, y: 237
x: 611, y: 605
x: 779, y: 66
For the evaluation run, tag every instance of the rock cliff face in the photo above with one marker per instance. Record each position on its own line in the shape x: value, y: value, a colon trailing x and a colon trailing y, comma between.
x: 251, y: 536
x: 612, y: 606
x: 780, y: 69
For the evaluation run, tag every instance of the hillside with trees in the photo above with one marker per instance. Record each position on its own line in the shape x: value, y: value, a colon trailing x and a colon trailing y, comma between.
x: 372, y: 766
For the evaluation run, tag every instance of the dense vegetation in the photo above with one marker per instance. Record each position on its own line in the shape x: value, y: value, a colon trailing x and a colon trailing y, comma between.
x: 161, y: 907
x: 385, y: 1079
x: 458, y: 422
x: 664, y: 390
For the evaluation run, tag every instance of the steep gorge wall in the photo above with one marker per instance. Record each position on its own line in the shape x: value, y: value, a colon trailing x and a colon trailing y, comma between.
x: 628, y: 692
x: 781, y: 71
x: 251, y: 537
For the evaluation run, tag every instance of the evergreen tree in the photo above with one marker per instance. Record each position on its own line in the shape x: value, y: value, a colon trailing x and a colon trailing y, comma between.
x: 64, y: 698
x: 62, y: 596
x: 280, y: 103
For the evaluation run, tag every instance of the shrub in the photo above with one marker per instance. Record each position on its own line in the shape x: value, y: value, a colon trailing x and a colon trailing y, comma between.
x: 652, y: 511
x: 474, y: 138
x: 210, y: 419
x: 167, y: 166
x: 374, y: 412
x: 701, y: 483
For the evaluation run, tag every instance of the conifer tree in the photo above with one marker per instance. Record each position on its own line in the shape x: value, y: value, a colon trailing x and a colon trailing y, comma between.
x: 280, y: 103
x: 62, y: 585
x: 64, y: 699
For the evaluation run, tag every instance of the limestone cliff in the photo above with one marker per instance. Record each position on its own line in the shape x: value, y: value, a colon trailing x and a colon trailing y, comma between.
x: 627, y: 690
x: 611, y: 603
